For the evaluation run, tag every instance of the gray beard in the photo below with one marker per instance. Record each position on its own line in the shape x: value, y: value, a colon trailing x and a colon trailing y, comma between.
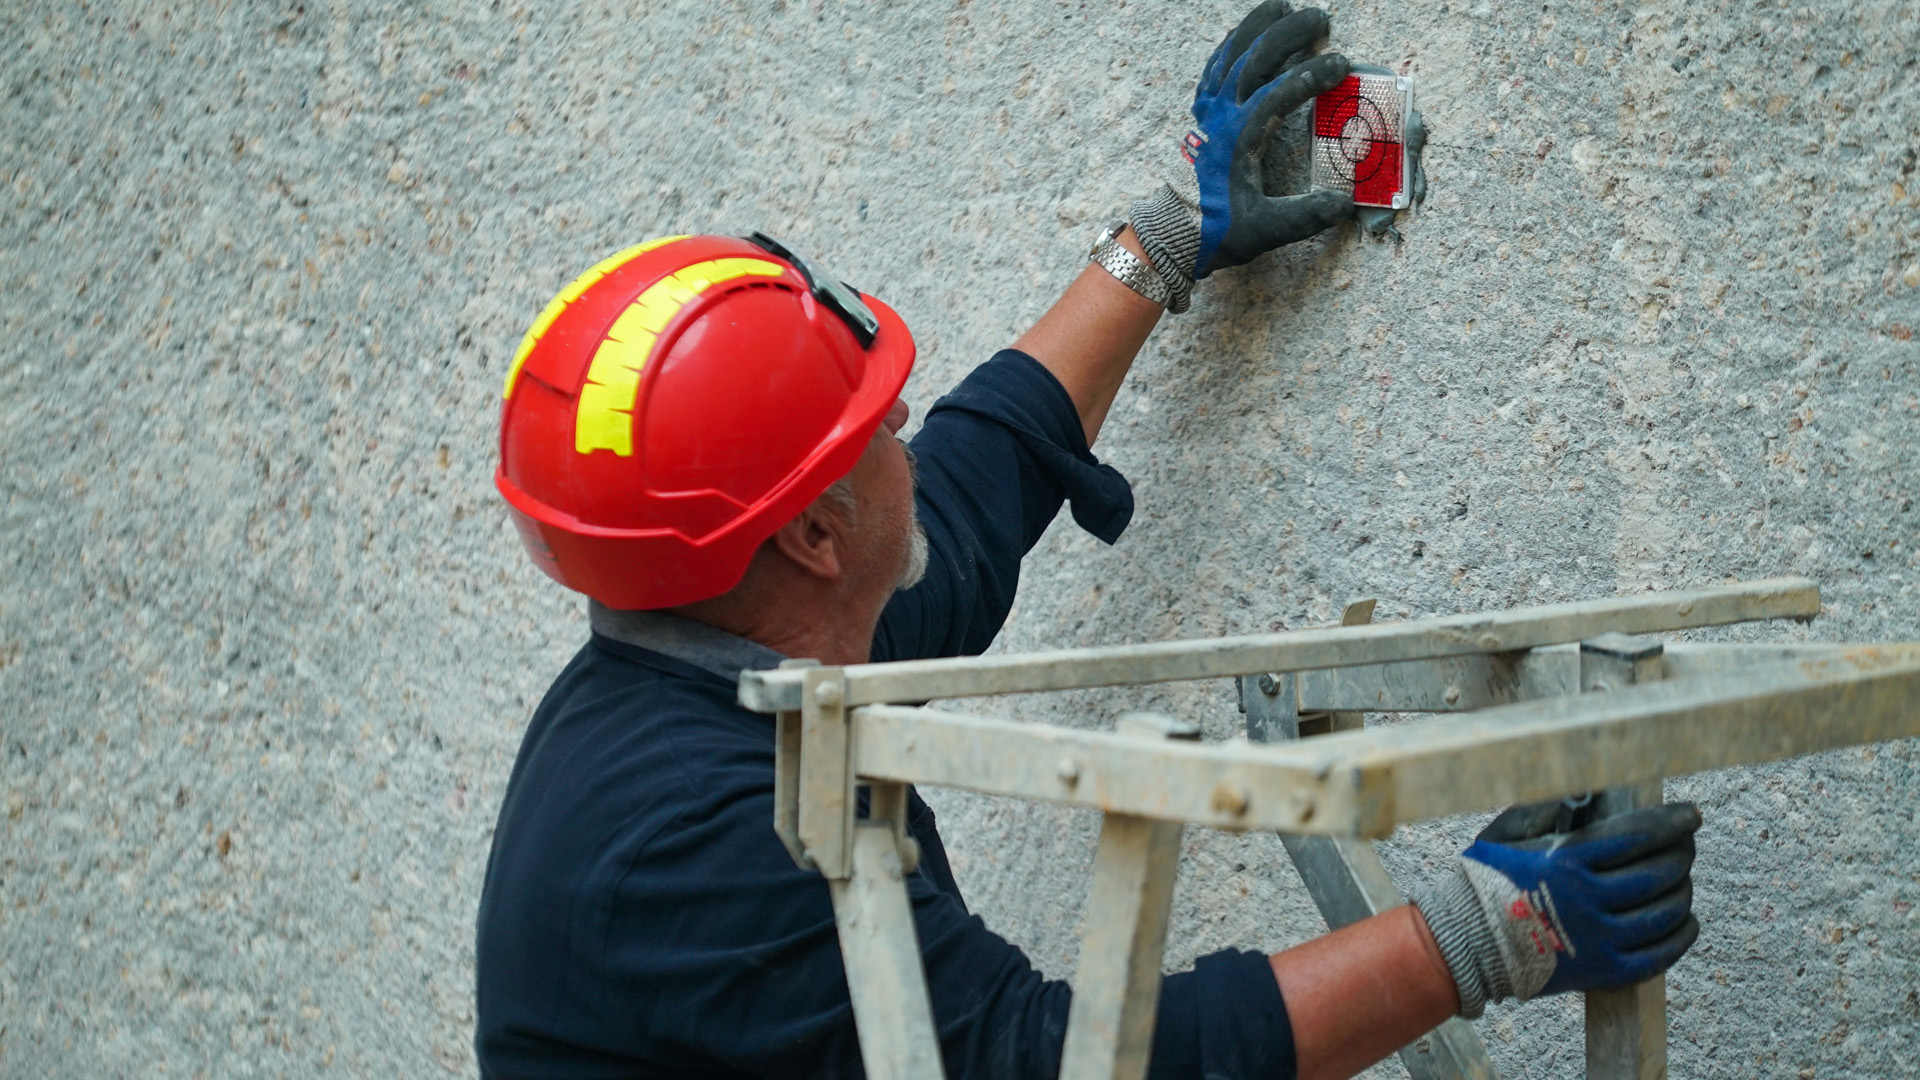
x: 915, y: 566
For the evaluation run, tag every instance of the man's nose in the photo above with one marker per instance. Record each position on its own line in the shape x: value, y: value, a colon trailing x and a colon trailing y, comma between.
x: 896, y: 417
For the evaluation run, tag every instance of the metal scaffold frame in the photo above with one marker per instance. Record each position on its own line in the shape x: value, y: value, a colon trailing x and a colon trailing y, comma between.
x: 1557, y: 700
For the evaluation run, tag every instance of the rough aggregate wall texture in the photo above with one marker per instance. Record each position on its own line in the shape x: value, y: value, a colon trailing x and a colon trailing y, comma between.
x: 267, y: 643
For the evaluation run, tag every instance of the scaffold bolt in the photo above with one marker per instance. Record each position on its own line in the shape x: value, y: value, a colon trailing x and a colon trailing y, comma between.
x: 1230, y: 799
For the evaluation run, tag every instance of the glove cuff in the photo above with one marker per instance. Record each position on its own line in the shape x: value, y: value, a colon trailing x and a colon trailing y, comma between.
x: 1466, y: 942
x: 1169, y: 229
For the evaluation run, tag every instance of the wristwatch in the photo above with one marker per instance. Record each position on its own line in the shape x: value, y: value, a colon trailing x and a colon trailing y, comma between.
x: 1131, y: 270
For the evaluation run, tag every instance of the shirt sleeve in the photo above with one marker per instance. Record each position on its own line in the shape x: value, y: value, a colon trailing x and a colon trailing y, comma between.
x: 996, y: 458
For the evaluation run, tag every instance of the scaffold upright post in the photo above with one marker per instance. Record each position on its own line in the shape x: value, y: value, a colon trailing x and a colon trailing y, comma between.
x: 1117, y: 987
x: 1626, y: 1027
x: 865, y: 862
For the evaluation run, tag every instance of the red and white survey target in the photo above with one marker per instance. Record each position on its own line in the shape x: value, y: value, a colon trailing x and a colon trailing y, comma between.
x: 1359, y: 139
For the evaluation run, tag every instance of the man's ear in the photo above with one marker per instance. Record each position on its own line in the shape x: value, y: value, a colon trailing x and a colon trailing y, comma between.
x: 813, y: 542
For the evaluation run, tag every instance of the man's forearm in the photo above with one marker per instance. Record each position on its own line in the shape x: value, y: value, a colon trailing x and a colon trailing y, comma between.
x: 1362, y: 992
x: 1089, y: 337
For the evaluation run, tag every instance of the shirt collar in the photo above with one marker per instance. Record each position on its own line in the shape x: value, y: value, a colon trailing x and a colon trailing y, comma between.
x: 708, y: 648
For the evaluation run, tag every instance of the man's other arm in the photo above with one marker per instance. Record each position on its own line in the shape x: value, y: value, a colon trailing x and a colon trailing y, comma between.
x: 1362, y: 992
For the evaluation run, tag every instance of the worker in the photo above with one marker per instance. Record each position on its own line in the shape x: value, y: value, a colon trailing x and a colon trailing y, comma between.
x: 701, y: 435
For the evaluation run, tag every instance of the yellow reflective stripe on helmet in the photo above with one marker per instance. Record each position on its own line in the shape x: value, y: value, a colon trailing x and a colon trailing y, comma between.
x: 618, y: 363
x: 647, y: 317
x: 604, y: 420
x: 602, y: 426
x: 567, y: 296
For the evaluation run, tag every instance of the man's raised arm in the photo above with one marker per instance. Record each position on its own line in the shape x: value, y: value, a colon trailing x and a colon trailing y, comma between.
x: 995, y: 464
x: 1211, y: 212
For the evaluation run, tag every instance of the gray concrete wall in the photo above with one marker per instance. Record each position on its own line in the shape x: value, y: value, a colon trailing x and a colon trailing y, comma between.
x: 267, y: 643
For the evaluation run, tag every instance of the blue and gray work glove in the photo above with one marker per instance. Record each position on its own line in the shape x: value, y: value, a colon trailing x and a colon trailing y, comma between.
x: 1214, y: 210
x: 1528, y: 910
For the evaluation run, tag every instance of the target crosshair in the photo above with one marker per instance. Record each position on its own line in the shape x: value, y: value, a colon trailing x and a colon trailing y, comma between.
x: 1367, y: 128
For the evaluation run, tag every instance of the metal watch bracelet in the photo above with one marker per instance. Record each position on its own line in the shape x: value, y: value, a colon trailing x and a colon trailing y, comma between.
x: 1126, y: 267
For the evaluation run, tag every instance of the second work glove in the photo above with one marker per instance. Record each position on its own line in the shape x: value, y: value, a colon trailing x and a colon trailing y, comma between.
x: 1215, y: 212
x: 1528, y: 911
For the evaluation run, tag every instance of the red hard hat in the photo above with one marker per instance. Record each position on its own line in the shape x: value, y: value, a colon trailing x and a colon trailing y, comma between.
x: 678, y: 403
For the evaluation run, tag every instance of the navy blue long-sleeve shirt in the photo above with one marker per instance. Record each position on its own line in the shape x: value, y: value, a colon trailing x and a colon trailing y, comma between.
x: 641, y: 919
